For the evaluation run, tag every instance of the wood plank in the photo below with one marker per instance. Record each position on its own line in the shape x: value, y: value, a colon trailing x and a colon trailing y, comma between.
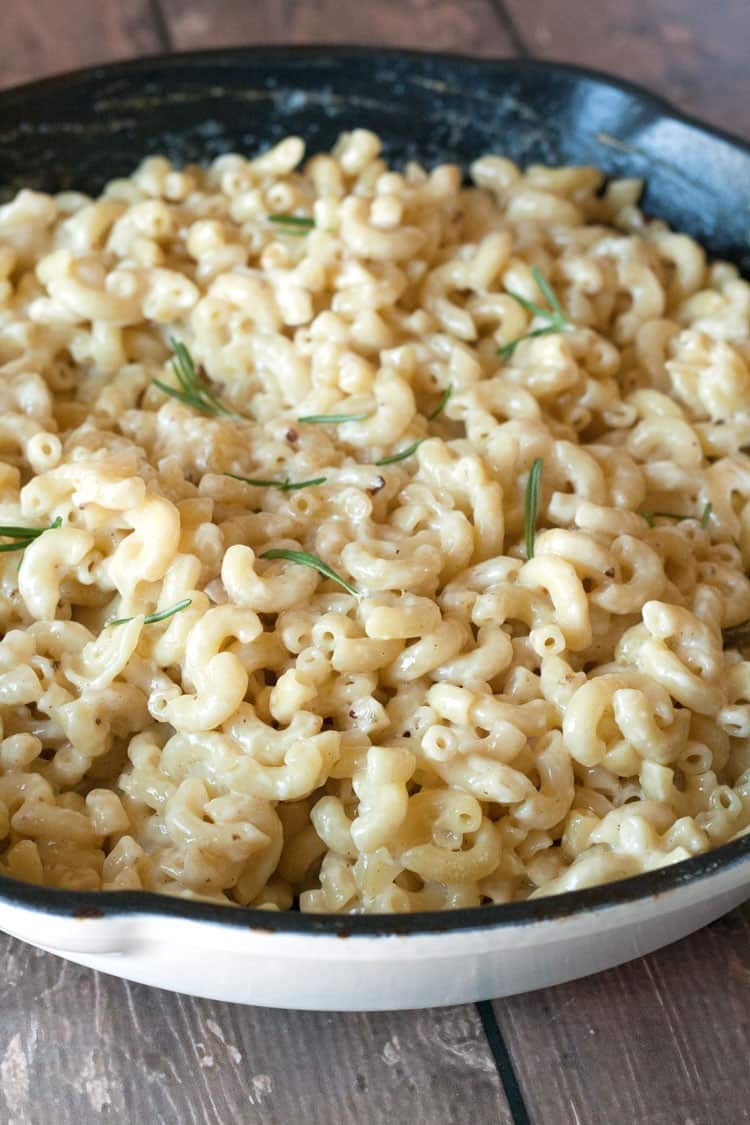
x: 48, y: 36
x: 98, y: 1048
x: 661, y: 1041
x: 471, y: 26
x: 692, y: 52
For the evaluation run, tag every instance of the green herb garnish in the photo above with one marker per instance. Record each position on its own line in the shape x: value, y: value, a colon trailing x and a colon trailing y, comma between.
x: 193, y: 390
x: 649, y: 517
x: 416, y: 444
x: 402, y: 455
x: 24, y: 536
x: 442, y: 404
x: 554, y: 315
x: 152, y: 618
x: 282, y: 485
x: 531, y: 505
x: 296, y: 224
x: 333, y: 418
x: 306, y: 559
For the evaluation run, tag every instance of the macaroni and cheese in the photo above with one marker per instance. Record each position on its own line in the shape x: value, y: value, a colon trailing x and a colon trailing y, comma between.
x: 367, y: 536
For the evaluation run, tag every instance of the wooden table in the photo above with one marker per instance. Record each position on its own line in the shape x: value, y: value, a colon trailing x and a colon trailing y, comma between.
x: 662, y: 1041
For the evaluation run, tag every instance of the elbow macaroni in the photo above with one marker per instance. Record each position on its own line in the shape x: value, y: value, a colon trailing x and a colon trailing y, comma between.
x: 472, y: 725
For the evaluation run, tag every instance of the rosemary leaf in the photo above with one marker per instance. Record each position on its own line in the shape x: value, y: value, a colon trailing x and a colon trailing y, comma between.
x: 407, y: 452
x: 442, y: 404
x: 333, y: 418
x: 282, y: 485
x: 402, y: 455
x: 23, y: 536
x: 296, y: 224
x: 152, y: 618
x: 531, y: 505
x: 20, y: 545
x: 705, y: 516
x: 303, y: 558
x: 192, y: 390
x: 530, y: 306
x: 506, y: 351
x: 547, y: 291
x: 191, y: 382
x: 554, y: 315
x: 20, y: 532
x: 651, y: 516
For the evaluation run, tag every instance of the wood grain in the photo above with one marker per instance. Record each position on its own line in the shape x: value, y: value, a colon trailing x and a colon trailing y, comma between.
x: 470, y: 26
x: 660, y: 1041
x: 692, y: 52
x: 49, y: 36
x: 100, y: 1049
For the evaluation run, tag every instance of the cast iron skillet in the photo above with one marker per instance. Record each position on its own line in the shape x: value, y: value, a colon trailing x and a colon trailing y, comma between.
x: 82, y: 129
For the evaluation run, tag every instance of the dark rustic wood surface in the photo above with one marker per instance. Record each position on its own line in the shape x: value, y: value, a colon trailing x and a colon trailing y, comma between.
x: 443, y: 25
x: 46, y: 36
x: 662, y: 1041
x: 100, y: 1049
x: 692, y: 51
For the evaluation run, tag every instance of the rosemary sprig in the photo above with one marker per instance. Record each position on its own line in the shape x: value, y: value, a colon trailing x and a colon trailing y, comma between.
x: 296, y: 224
x: 192, y: 390
x: 402, y: 455
x: 283, y: 485
x: 416, y: 444
x: 303, y: 558
x: 649, y: 517
x: 554, y: 315
x: 442, y: 404
x: 333, y: 418
x: 23, y: 536
x: 531, y: 505
x: 152, y: 618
